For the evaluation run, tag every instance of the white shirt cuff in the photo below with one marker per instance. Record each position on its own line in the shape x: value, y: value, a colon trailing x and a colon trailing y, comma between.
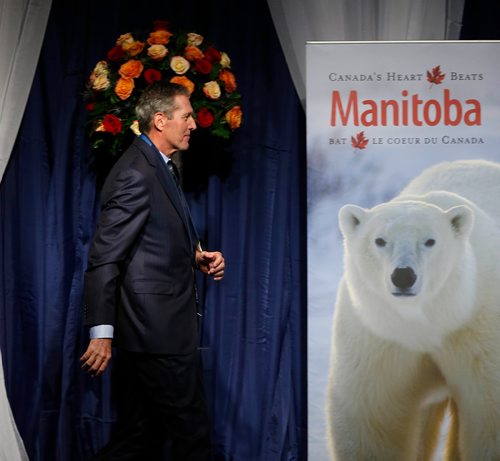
x: 101, y: 331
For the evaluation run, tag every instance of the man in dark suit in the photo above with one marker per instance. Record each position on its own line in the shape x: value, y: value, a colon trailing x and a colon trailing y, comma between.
x: 140, y: 292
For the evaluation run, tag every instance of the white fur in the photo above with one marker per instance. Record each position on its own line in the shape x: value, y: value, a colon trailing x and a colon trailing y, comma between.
x: 418, y: 311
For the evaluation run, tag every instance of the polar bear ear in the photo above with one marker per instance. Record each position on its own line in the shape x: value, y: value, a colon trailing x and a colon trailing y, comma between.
x: 461, y: 218
x: 350, y: 218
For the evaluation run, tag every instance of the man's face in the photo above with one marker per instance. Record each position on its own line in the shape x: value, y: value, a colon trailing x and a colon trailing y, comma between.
x: 178, y: 129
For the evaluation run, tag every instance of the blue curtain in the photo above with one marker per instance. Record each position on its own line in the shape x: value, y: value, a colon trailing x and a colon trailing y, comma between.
x: 247, y: 197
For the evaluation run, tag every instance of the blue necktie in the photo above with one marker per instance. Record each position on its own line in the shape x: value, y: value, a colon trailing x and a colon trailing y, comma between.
x: 175, y: 174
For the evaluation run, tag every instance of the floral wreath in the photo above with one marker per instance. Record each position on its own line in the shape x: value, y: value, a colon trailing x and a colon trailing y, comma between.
x: 116, y: 83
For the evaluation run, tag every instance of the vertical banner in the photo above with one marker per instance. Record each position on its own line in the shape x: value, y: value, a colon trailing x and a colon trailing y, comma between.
x: 378, y: 114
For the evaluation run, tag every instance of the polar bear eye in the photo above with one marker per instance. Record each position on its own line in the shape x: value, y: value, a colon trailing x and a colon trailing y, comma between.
x: 380, y: 242
x: 430, y: 243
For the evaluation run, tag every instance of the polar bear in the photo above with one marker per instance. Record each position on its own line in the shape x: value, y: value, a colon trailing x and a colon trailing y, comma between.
x: 417, y: 321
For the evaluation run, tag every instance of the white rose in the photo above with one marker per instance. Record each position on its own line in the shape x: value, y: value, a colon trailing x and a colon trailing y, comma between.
x: 179, y: 65
x: 225, y: 62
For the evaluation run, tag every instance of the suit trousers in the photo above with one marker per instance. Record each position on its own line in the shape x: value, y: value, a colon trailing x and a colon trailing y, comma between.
x: 159, y: 398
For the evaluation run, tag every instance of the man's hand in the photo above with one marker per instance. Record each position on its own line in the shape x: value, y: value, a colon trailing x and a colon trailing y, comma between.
x: 97, y: 356
x: 211, y: 263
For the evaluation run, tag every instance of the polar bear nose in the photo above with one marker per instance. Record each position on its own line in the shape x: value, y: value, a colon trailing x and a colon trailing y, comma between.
x: 403, y: 277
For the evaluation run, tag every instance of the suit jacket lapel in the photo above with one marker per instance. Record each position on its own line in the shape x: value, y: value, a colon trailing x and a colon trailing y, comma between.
x: 164, y: 177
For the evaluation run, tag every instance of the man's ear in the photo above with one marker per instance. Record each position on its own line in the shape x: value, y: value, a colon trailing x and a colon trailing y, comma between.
x: 350, y: 218
x: 159, y: 119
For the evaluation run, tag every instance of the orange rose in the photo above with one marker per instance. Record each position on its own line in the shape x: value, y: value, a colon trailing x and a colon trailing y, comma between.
x: 131, y: 69
x: 229, y: 80
x: 159, y: 37
x: 192, y: 53
x: 234, y: 117
x: 157, y: 52
x: 124, y: 88
x: 135, y: 48
x: 184, y: 81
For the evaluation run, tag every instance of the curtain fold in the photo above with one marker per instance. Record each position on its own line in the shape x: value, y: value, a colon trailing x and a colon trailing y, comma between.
x: 22, y: 27
x: 11, y: 444
x: 325, y: 20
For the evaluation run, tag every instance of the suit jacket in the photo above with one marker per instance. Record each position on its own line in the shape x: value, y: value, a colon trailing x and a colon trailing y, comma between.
x: 140, y: 274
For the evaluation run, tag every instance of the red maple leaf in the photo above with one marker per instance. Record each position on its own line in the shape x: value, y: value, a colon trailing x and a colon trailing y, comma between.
x: 359, y: 141
x: 435, y: 75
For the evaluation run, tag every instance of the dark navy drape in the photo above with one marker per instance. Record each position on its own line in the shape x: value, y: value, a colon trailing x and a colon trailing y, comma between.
x: 247, y: 197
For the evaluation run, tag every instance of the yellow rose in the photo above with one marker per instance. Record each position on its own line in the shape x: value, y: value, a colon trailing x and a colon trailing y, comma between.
x: 225, y: 62
x: 125, y: 40
x: 124, y: 88
x: 135, y: 127
x: 100, y: 83
x: 157, y: 52
x: 179, y: 65
x: 131, y: 69
x: 194, y: 39
x: 101, y: 68
x: 100, y: 72
x: 184, y: 81
x: 234, y: 117
x: 100, y: 127
x: 212, y: 90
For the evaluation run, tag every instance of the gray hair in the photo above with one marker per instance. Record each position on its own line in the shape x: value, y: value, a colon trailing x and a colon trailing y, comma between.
x: 157, y: 97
